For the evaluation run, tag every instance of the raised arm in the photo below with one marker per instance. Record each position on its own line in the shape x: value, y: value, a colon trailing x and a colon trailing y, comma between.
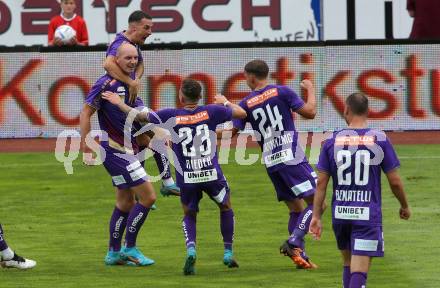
x: 115, y: 99
x: 309, y: 109
x: 396, y: 186
x: 237, y: 111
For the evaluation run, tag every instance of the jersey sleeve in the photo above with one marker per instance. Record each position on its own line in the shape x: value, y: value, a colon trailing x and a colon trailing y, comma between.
x: 240, y: 124
x: 138, y: 102
x: 324, y: 159
x: 113, y: 48
x: 51, y: 31
x: 94, y: 99
x: 390, y: 160
x: 220, y: 114
x: 84, y: 35
x: 291, y: 98
x: 160, y: 116
x: 140, y: 58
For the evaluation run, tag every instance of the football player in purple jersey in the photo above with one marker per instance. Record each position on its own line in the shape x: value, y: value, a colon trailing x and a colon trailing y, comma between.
x: 269, y: 111
x: 354, y: 158
x: 134, y: 193
x: 194, y: 139
x: 139, y: 29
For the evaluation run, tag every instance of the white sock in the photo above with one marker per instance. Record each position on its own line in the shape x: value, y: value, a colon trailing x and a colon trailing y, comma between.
x: 7, y: 254
x: 168, y: 181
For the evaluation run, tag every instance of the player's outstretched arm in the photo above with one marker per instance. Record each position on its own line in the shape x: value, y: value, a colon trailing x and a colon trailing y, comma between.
x: 318, y: 205
x: 309, y: 109
x: 115, y: 99
x: 237, y: 111
x: 396, y: 186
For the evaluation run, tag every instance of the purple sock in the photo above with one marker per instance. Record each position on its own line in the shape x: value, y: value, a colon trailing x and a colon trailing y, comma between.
x: 3, y: 244
x: 346, y: 277
x: 189, y: 230
x: 162, y: 164
x: 358, y: 280
x: 136, y: 218
x: 301, y: 228
x: 118, y: 221
x: 292, y: 221
x: 227, y: 227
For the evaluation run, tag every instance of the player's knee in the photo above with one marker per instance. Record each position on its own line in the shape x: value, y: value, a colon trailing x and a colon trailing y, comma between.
x: 190, y: 213
x: 126, y: 204
x: 225, y: 207
x: 148, y: 200
x: 295, y: 205
x: 309, y: 199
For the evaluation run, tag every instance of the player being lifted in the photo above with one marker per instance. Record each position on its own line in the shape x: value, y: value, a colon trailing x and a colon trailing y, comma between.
x: 269, y: 111
x: 354, y: 158
x: 139, y: 29
x: 194, y: 143
x: 128, y: 176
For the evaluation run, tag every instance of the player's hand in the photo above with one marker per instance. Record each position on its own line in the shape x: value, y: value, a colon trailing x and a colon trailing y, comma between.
x: 133, y: 90
x: 57, y: 41
x: 111, y: 97
x: 88, y: 159
x: 307, y: 84
x: 404, y: 213
x: 73, y: 41
x: 220, y: 99
x: 316, y: 228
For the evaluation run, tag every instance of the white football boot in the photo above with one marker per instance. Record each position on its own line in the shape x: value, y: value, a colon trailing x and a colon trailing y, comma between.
x: 18, y: 262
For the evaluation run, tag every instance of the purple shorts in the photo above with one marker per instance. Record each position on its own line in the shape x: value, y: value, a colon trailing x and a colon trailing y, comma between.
x: 125, y: 172
x: 190, y: 194
x: 360, y: 240
x: 294, y: 181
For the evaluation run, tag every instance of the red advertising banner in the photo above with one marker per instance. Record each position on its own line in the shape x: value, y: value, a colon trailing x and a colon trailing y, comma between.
x: 41, y: 94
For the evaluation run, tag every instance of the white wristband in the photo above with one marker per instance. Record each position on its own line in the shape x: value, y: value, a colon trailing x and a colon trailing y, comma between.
x: 145, y: 110
x: 226, y: 103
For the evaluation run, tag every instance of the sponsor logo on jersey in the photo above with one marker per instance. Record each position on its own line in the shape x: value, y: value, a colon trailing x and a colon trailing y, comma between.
x: 278, y: 157
x: 192, y: 119
x: 258, y: 99
x: 352, y: 213
x: 354, y: 140
x: 200, y: 176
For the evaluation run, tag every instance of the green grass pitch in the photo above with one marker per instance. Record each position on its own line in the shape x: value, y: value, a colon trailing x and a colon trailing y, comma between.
x: 61, y: 221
